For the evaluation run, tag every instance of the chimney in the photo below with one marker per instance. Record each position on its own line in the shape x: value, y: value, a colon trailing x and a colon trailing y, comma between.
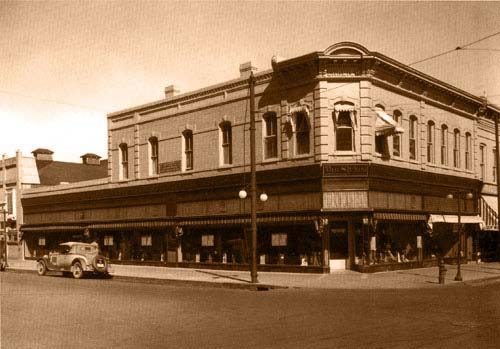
x: 91, y: 159
x: 171, y: 91
x: 42, y: 154
x: 246, y: 69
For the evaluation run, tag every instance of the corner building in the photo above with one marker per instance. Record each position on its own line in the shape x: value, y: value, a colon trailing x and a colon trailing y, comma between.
x: 356, y: 152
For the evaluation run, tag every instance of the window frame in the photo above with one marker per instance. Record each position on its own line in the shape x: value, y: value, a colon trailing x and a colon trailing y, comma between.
x: 302, y: 134
x: 226, y: 143
x: 188, y: 150
x: 397, y: 116
x: 154, y: 168
x: 482, y: 161
x: 270, y: 135
x: 444, y: 145
x: 456, y: 148
x: 123, y: 159
x: 468, y: 149
x: 431, y: 133
x: 412, y: 138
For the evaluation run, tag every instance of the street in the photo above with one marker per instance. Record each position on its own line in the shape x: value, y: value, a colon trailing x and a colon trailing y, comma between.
x: 60, y: 312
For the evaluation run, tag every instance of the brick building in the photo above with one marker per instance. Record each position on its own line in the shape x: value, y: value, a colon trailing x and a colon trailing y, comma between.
x: 355, y: 151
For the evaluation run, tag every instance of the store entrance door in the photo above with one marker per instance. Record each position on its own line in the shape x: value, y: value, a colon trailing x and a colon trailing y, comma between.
x: 338, y: 245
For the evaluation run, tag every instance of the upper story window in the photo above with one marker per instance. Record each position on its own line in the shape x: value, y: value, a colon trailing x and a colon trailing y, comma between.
x: 344, y: 121
x: 188, y: 150
x: 468, y: 148
x: 482, y: 161
x: 412, y: 137
x: 153, y: 156
x: 456, y: 148
x: 495, y: 164
x: 396, y: 139
x: 123, y: 173
x: 226, y: 143
x: 444, y: 145
x: 301, y: 133
x: 430, y: 142
x: 270, y: 136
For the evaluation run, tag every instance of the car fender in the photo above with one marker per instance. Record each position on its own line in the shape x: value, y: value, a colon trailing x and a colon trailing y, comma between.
x: 82, y: 261
x: 45, y: 259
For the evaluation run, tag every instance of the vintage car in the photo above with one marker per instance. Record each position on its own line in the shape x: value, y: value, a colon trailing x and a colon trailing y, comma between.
x: 75, y: 258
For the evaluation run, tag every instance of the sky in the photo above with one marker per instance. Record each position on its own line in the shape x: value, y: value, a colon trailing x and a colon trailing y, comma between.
x: 65, y: 65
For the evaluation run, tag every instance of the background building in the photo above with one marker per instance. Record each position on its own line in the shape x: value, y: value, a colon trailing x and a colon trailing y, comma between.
x: 356, y: 152
x: 21, y: 172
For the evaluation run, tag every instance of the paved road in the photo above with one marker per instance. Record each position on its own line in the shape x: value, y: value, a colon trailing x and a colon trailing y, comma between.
x: 59, y: 312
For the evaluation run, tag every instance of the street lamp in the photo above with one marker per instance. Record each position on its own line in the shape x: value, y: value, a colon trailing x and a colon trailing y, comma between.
x: 458, y: 195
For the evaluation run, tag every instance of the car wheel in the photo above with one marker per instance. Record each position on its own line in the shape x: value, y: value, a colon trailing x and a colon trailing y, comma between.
x: 77, y: 270
x: 41, y: 268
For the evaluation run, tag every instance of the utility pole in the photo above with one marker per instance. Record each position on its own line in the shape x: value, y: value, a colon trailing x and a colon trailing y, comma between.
x: 253, y: 180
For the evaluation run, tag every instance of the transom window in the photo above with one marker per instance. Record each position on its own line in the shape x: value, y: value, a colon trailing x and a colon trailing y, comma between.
x: 270, y: 136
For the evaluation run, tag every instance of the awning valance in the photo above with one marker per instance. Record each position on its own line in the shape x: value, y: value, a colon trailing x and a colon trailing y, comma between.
x: 385, y: 124
x: 246, y: 220
x: 388, y: 216
x: 52, y: 228
x: 132, y: 225
x: 453, y: 219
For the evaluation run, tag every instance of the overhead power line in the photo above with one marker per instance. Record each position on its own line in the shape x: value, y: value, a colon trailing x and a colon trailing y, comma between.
x: 455, y: 49
x: 52, y: 101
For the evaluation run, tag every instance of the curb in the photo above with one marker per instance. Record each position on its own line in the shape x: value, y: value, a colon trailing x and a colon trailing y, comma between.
x: 178, y: 282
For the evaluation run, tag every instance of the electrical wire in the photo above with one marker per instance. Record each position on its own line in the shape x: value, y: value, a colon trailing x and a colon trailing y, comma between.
x: 455, y: 49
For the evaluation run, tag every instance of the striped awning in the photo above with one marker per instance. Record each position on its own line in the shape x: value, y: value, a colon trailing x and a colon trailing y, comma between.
x: 246, y: 220
x: 132, y: 225
x: 52, y: 228
x: 395, y: 216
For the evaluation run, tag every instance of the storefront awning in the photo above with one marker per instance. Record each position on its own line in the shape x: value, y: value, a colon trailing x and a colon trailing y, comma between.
x: 52, y: 228
x: 246, y: 220
x: 131, y: 225
x: 385, y: 124
x: 453, y: 219
x: 492, y: 202
x: 387, y: 216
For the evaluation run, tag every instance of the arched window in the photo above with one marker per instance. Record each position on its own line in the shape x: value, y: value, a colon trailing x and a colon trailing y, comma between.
x: 226, y: 143
x: 456, y: 148
x: 301, y: 133
x: 468, y: 148
x: 153, y: 156
x: 412, y: 137
x: 270, y: 136
x: 430, y: 142
x: 396, y: 139
x: 188, y: 150
x: 123, y: 173
x: 444, y: 145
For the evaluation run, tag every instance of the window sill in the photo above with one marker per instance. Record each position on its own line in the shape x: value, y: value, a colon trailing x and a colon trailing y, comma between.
x: 225, y: 167
x: 301, y: 156
x: 270, y: 161
x: 344, y: 153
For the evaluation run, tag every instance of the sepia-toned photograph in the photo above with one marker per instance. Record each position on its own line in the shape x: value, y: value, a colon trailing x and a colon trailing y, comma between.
x: 249, y: 174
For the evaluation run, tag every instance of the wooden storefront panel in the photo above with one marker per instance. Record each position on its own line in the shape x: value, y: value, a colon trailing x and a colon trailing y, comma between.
x: 345, y: 200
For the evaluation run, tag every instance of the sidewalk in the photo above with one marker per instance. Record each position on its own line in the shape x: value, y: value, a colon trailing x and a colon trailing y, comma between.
x: 472, y: 273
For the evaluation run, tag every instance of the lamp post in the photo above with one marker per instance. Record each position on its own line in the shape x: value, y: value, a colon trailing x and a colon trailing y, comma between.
x: 458, y: 195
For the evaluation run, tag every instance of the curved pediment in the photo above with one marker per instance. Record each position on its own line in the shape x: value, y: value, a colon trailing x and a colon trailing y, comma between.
x: 346, y: 48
